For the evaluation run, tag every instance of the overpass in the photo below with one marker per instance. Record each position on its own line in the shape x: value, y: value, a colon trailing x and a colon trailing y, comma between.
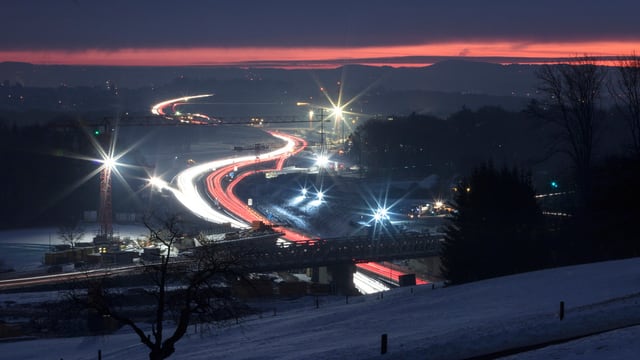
x: 335, y: 255
x: 343, y: 250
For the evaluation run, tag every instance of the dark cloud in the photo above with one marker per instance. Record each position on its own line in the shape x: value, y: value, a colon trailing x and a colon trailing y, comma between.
x: 75, y: 24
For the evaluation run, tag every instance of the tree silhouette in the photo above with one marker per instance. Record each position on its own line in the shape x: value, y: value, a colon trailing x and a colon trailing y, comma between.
x: 71, y: 232
x: 182, y: 290
x: 573, y: 94
x: 496, y: 229
x: 626, y: 91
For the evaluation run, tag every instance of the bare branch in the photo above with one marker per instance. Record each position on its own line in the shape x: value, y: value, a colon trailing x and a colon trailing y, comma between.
x: 573, y: 94
x: 626, y: 92
x: 184, y: 286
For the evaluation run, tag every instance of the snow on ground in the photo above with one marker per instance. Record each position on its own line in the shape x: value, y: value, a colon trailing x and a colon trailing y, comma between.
x: 421, y: 322
x: 23, y: 249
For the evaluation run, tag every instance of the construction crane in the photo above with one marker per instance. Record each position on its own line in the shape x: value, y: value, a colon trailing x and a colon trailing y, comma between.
x: 103, y: 132
x: 106, y: 209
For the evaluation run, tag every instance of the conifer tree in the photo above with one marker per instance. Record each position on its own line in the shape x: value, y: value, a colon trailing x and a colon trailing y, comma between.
x: 496, y: 229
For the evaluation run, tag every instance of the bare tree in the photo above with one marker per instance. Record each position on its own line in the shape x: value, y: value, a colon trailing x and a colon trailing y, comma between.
x: 184, y: 289
x: 71, y: 233
x: 574, y: 94
x: 626, y: 91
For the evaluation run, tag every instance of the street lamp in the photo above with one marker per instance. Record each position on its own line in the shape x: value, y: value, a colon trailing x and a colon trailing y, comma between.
x: 106, y: 209
x: 321, y: 116
x: 337, y: 112
x: 157, y: 182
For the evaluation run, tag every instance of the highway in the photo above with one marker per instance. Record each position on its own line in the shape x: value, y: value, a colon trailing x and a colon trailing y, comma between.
x: 227, y: 198
x: 187, y: 189
x: 231, y: 209
x: 220, y: 186
x: 236, y: 212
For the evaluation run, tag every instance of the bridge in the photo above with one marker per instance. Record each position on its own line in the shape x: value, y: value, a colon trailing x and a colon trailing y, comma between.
x: 336, y: 255
x: 341, y: 251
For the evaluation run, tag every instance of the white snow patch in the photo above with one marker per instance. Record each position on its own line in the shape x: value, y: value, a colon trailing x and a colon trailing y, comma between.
x: 445, y: 323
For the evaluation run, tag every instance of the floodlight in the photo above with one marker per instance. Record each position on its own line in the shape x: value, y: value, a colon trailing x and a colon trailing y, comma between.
x: 322, y: 160
x: 381, y: 214
x: 157, y: 182
x: 109, y: 162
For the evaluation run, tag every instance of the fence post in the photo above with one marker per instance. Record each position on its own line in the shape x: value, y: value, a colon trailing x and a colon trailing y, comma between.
x: 383, y: 344
x: 99, y: 354
x: 561, y: 310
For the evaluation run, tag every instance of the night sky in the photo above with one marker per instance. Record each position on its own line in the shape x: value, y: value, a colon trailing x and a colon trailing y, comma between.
x: 313, y: 33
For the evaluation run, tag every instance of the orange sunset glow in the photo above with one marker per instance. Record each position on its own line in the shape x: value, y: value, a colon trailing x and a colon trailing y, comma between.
x: 324, y: 56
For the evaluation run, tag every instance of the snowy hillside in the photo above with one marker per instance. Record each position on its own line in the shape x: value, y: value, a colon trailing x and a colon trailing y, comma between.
x: 443, y: 323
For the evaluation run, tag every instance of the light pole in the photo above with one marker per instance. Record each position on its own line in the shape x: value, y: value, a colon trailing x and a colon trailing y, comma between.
x: 322, y: 146
x: 321, y: 119
x: 106, y: 208
x: 337, y: 112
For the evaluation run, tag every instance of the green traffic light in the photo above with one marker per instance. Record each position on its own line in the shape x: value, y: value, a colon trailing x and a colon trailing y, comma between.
x: 96, y: 132
x: 554, y: 184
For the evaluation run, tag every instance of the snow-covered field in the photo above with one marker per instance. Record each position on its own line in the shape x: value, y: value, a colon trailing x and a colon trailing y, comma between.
x: 421, y: 322
x: 23, y: 249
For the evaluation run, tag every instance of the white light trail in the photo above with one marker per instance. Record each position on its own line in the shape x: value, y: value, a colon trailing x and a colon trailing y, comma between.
x: 157, y: 108
x: 187, y: 192
x: 367, y: 285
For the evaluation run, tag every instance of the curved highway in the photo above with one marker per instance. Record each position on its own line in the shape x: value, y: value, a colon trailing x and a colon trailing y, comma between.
x: 187, y: 189
x: 226, y: 195
x: 187, y: 192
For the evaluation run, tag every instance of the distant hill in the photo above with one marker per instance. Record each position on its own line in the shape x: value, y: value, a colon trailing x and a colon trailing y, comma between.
x: 439, y: 89
x: 448, y: 76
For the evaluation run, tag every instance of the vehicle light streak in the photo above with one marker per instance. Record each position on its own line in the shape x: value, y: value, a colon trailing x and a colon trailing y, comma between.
x: 367, y: 285
x: 158, y: 109
x: 230, y: 201
x: 187, y: 191
x: 385, y: 272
